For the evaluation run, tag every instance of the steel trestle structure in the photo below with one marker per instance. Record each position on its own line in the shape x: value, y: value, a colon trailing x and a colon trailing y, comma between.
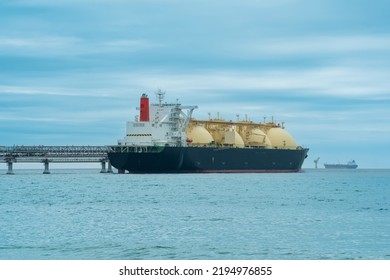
x: 60, y: 154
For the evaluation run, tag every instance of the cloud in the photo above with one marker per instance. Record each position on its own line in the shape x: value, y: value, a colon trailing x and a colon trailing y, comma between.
x: 89, y: 2
x: 36, y: 91
x: 57, y: 42
x: 336, y: 82
x: 43, y: 45
x: 124, y: 45
x: 314, y: 45
x: 328, y: 81
x: 63, y: 115
x: 8, y: 117
x: 62, y: 2
x: 59, y: 46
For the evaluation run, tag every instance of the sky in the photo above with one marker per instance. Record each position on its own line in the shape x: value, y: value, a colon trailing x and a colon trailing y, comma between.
x: 72, y: 72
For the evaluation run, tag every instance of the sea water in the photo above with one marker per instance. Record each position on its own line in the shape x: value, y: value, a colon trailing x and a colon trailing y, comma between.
x: 82, y: 214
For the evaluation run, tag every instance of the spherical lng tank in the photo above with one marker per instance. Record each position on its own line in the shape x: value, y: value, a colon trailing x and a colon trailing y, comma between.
x: 257, y: 137
x: 233, y: 138
x: 280, y: 138
x: 199, y: 135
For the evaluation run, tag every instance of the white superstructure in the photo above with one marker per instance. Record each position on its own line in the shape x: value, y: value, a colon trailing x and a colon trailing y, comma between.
x: 162, y: 124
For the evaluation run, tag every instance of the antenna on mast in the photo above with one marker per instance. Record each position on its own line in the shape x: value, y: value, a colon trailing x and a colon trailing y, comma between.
x: 160, y: 96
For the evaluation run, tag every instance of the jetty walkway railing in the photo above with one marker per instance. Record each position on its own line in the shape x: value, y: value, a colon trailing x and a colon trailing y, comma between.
x: 60, y: 154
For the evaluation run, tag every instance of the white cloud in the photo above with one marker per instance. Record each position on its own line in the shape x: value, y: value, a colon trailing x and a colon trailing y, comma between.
x: 57, y: 46
x: 32, y: 90
x: 127, y: 45
x: 43, y: 45
x: 347, y: 82
x: 161, y: 2
x: 63, y: 114
x: 8, y: 117
x: 313, y: 45
x: 62, y: 2
x: 333, y: 81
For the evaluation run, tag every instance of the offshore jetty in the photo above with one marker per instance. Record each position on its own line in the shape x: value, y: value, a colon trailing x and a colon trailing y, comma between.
x: 164, y: 138
x: 54, y: 154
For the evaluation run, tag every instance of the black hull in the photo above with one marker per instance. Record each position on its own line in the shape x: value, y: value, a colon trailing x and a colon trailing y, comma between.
x: 207, y: 160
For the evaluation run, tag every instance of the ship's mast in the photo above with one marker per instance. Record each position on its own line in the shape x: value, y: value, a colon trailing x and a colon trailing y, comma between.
x: 160, y: 96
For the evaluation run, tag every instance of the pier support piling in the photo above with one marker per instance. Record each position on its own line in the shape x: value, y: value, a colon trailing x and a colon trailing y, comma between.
x: 109, y: 167
x: 103, y: 167
x: 10, y: 171
x: 46, y: 164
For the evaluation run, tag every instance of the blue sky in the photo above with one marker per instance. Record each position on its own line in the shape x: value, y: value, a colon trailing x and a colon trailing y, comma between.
x: 72, y: 72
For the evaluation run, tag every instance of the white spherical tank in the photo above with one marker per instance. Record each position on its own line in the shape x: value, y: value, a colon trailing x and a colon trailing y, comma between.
x: 280, y: 138
x: 233, y: 138
x: 257, y: 137
x: 199, y: 135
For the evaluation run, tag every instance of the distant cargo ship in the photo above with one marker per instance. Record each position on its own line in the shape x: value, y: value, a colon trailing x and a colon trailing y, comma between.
x: 165, y: 139
x: 350, y: 165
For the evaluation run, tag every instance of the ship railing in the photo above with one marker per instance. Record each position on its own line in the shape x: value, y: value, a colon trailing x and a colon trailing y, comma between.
x: 228, y: 146
x: 134, y: 149
x: 287, y: 148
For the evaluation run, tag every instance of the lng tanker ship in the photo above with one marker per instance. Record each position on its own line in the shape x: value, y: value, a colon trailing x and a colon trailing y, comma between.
x: 166, y: 139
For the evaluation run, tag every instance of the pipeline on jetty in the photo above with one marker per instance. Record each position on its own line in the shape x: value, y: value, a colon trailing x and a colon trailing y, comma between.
x: 58, y: 154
